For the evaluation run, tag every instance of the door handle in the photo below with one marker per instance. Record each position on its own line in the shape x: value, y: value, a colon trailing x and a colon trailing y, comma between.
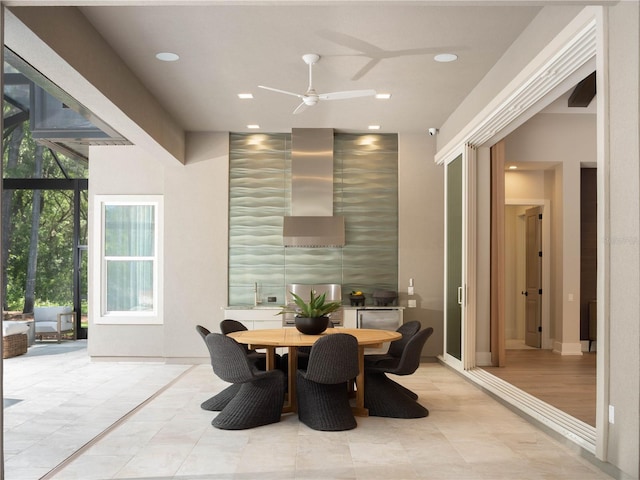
x: 459, y: 295
x: 526, y: 294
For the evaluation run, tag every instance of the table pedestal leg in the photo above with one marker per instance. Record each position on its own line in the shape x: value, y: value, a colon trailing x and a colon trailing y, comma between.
x: 271, y: 358
x: 292, y: 404
x: 359, y: 408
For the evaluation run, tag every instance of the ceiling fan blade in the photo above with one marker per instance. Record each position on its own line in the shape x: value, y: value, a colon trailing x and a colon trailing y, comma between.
x: 346, y: 94
x: 281, y: 91
x: 300, y: 108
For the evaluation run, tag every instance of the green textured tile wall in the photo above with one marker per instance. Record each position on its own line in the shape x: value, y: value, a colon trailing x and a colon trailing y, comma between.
x: 365, y: 193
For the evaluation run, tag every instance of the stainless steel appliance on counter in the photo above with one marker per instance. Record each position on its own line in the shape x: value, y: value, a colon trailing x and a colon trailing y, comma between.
x: 332, y: 291
x: 382, y: 319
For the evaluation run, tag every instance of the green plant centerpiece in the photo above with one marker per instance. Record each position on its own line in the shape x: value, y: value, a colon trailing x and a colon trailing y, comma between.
x: 312, y: 317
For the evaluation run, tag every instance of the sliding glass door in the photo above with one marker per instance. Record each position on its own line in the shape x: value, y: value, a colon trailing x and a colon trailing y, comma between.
x: 459, y: 292
x: 453, y: 267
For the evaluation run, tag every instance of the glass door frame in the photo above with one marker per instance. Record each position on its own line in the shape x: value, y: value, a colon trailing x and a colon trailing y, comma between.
x: 467, y: 290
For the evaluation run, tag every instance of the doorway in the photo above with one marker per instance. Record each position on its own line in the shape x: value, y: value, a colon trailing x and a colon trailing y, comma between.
x: 523, y: 296
x: 546, y: 375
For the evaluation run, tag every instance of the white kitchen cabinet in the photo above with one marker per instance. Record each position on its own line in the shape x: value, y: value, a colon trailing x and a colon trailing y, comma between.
x: 254, y: 318
x: 350, y: 318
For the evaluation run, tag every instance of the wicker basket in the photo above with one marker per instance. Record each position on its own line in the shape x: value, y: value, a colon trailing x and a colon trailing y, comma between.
x: 14, y: 345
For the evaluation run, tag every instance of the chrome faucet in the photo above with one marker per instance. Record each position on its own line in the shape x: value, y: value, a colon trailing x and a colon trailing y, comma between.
x: 256, y: 299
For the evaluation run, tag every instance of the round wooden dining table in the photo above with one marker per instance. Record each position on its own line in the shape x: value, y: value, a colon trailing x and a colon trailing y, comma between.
x: 291, y: 338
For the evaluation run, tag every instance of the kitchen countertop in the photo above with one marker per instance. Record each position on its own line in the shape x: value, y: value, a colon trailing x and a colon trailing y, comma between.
x: 374, y: 307
x: 252, y: 307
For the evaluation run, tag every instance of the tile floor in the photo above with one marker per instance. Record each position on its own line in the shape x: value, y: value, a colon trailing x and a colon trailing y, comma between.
x: 66, y: 400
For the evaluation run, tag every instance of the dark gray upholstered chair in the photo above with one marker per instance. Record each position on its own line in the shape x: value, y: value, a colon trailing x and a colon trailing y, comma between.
x: 228, y: 326
x: 387, y: 398
x: 323, y: 399
x: 396, y: 347
x: 258, y: 359
x: 303, y: 355
x: 220, y: 400
x: 261, y: 395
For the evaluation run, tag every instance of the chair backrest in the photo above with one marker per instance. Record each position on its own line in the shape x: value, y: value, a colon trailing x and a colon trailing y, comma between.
x: 203, y: 331
x: 229, y: 326
x: 228, y: 359
x: 333, y: 359
x: 50, y: 314
x: 307, y: 350
x: 407, y: 330
x: 410, y: 359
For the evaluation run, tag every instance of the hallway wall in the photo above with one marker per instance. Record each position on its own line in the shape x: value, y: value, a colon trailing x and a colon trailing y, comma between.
x: 561, y: 142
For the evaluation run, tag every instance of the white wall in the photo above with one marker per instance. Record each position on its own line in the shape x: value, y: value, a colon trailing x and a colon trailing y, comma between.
x: 623, y: 236
x: 195, y: 245
x: 553, y: 178
x: 523, y: 184
x: 119, y: 171
x: 421, y: 234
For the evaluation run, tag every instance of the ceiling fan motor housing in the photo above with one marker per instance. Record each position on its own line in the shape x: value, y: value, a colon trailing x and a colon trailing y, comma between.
x: 310, y: 58
x: 310, y: 98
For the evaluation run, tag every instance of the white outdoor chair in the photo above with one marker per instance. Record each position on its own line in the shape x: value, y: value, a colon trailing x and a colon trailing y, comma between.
x: 54, y: 322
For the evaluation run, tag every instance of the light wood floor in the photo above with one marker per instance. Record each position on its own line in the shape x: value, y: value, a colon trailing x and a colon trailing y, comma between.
x: 567, y: 382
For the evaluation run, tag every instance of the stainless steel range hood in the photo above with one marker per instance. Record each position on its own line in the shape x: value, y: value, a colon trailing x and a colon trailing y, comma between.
x: 312, y: 223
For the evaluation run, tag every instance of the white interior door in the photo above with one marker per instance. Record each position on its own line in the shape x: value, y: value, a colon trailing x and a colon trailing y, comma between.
x: 533, y: 277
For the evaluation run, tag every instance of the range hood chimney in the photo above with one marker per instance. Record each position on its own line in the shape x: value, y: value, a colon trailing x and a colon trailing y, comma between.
x: 312, y: 223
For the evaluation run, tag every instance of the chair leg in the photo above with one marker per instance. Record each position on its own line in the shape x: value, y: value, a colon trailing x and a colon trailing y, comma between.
x: 257, y: 403
x: 222, y: 399
x: 404, y: 389
x: 383, y: 399
x: 324, y: 407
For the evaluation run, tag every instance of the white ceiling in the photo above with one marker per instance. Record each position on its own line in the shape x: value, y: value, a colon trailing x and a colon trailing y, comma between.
x: 226, y: 49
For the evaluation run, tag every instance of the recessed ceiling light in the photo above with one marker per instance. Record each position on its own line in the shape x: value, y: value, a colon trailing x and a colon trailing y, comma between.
x: 245, y: 95
x: 253, y: 127
x: 383, y: 96
x: 374, y: 127
x: 167, y: 56
x: 513, y: 167
x: 445, y: 57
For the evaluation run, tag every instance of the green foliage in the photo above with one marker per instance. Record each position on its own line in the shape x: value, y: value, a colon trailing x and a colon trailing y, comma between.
x: 54, y: 272
x: 316, y: 307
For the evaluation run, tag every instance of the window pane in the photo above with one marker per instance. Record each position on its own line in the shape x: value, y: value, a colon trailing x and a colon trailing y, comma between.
x: 129, y: 230
x: 130, y: 286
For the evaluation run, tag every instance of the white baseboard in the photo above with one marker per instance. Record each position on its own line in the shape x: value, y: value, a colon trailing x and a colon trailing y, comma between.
x: 567, y: 348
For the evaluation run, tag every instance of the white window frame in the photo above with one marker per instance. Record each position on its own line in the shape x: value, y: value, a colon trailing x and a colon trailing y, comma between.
x: 150, y: 317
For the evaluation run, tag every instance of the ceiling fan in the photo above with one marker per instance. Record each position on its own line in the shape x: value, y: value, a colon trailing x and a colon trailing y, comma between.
x: 311, y: 97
